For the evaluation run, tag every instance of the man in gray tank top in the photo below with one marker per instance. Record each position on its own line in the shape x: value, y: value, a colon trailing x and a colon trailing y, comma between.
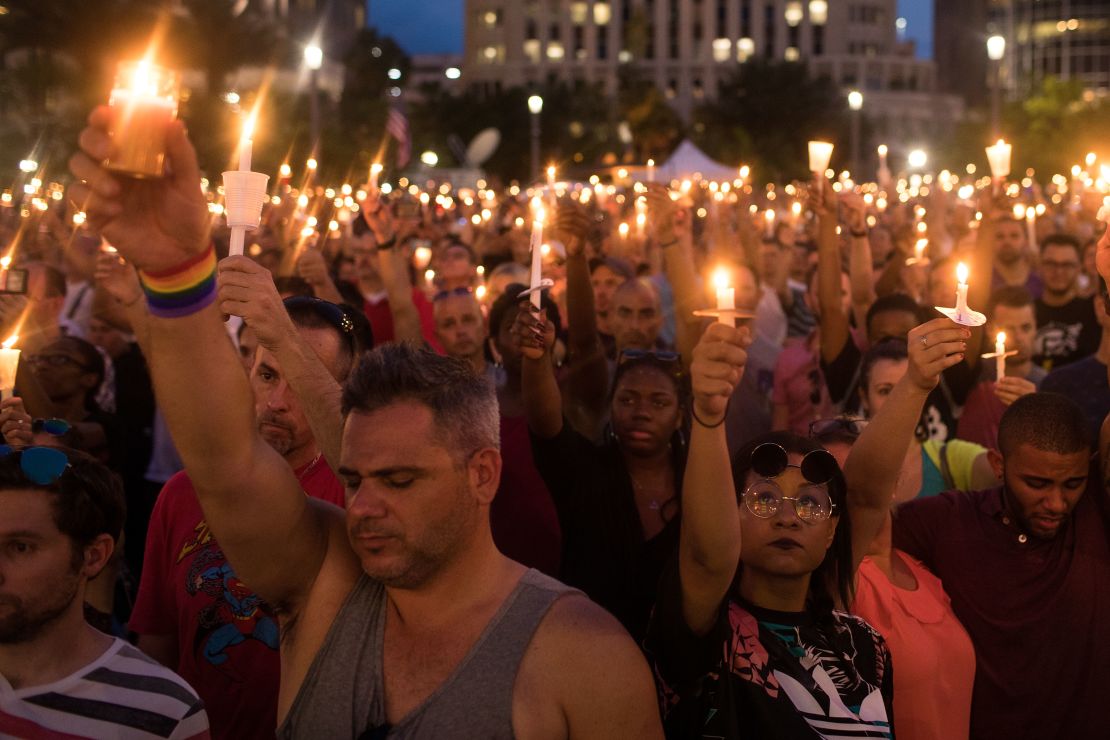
x: 399, y: 617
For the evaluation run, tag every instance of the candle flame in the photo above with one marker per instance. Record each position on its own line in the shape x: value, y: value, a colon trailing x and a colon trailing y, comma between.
x: 883, y: 150
x: 10, y: 341
x: 1019, y: 211
x: 248, y: 125
x: 551, y: 172
x: 769, y: 215
x: 376, y: 168
x: 312, y: 164
x: 1000, y: 340
x: 651, y: 163
x: 480, y: 292
x: 285, y: 170
x: 919, y: 248
x: 5, y: 262
x: 721, y: 278
x: 961, y: 273
x: 623, y: 229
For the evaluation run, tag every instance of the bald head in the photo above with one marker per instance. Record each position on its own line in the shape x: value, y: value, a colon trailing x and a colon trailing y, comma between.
x: 460, y: 325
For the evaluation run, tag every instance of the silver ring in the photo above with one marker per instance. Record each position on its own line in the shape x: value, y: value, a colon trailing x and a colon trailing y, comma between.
x: 924, y: 340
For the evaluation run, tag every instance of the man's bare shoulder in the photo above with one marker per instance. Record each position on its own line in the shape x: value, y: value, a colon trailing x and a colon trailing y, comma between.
x: 584, y: 668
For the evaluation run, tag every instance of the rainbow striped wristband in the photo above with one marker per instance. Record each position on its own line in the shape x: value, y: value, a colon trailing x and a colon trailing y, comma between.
x: 181, y: 290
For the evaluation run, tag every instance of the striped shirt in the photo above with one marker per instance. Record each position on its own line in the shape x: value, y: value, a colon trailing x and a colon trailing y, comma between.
x: 122, y: 694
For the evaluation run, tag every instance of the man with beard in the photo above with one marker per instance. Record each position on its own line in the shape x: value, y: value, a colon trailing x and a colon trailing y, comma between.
x: 61, y: 513
x: 398, y: 616
x: 461, y: 328
x: 193, y: 613
x: 1011, y: 258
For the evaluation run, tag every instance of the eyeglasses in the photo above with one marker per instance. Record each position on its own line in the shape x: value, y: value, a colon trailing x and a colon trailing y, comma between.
x: 42, y: 465
x: 647, y: 354
x: 54, y: 361
x: 451, y: 293
x: 842, y: 424
x: 57, y: 427
x: 764, y: 497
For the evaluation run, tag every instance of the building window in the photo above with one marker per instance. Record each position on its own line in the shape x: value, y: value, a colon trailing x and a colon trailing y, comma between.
x: 530, y: 31
x: 579, y: 12
x: 602, y: 44
x: 791, y: 54
x: 818, y: 12
x: 745, y: 48
x: 579, y: 42
x: 722, y: 49
x: 722, y: 17
x: 493, y: 54
x: 818, y: 40
x: 603, y: 12
x: 553, y: 32
x: 491, y: 18
x: 555, y: 51
x: 769, y: 31
x: 793, y: 13
x: 532, y: 50
x: 745, y: 18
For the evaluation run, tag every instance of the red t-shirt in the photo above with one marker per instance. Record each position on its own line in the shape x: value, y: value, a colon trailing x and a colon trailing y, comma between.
x: 381, y: 319
x: 227, y: 637
x: 523, y: 518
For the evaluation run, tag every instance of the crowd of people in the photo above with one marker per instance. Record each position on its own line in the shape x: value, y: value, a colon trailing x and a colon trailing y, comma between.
x: 363, y: 485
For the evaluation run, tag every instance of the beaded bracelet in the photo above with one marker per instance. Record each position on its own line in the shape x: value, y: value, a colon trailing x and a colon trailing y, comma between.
x: 182, y: 290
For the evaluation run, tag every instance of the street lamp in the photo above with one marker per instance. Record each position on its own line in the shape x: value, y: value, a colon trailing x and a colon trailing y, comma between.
x: 535, y: 107
x: 996, y: 49
x: 855, y: 102
x: 314, y: 60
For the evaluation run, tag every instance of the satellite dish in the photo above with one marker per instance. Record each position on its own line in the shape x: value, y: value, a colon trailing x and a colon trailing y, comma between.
x: 482, y: 147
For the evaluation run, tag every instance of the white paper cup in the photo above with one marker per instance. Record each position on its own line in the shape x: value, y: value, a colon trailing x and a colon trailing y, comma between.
x: 244, y: 196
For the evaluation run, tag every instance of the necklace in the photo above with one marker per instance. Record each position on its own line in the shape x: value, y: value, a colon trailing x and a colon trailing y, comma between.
x: 309, y: 468
x: 655, y: 503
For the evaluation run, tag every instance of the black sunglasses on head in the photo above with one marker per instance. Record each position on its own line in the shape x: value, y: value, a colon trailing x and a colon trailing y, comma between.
x: 671, y: 361
x: 769, y: 460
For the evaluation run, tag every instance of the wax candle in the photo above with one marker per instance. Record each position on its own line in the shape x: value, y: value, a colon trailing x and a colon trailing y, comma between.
x: 9, y: 363
x: 641, y: 223
x: 375, y: 170
x: 651, y: 170
x: 1031, y: 225
x: 820, y: 153
x: 623, y: 230
x: 537, y: 252
x: 726, y: 296
x: 769, y: 221
x: 246, y: 145
x: 961, y: 289
x: 143, y: 103
x: 1000, y: 355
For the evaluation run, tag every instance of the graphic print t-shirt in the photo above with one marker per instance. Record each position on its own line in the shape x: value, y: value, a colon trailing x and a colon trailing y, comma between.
x: 787, y: 676
x: 227, y: 637
x: 1065, y: 333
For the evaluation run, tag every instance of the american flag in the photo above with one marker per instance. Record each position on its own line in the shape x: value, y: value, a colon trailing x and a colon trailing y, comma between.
x: 397, y: 124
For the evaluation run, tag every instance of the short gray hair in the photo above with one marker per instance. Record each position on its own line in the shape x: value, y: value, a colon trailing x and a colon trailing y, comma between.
x: 463, y: 404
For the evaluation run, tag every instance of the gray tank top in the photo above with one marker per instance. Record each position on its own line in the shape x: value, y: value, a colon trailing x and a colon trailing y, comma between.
x: 343, y: 695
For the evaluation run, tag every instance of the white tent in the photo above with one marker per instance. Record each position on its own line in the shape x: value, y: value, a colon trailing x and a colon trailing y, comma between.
x: 689, y: 162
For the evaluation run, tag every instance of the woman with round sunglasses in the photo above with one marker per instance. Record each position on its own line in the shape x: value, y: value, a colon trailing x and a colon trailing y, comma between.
x: 618, y: 502
x: 746, y: 634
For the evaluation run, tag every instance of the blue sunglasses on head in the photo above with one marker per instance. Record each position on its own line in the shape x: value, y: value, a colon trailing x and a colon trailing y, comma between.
x: 42, y: 465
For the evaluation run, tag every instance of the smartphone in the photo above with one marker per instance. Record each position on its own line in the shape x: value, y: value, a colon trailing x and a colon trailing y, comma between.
x: 13, y: 281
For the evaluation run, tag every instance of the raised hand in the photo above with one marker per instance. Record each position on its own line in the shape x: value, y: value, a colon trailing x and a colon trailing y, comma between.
x: 118, y: 278
x: 855, y: 211
x: 573, y: 223
x: 247, y: 290
x: 1010, y: 388
x: 156, y: 224
x: 933, y: 348
x: 663, y: 211
x: 534, y: 333
x: 718, y: 366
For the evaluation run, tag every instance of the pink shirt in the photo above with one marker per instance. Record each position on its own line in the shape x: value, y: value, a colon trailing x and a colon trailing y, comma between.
x: 934, y: 661
x: 799, y: 383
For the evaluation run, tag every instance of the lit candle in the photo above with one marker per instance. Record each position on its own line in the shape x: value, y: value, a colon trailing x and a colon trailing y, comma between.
x: 641, y: 223
x: 551, y: 187
x: 961, y: 290
x: 537, y: 253
x: 375, y: 170
x: 623, y: 230
x: 144, y: 103
x: 726, y: 297
x: 999, y: 158
x: 651, y: 170
x: 422, y: 257
x: 769, y: 221
x: 9, y: 363
x: 1031, y: 225
x: 820, y: 153
x: 246, y: 144
x: 1000, y: 355
x: 244, y: 191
